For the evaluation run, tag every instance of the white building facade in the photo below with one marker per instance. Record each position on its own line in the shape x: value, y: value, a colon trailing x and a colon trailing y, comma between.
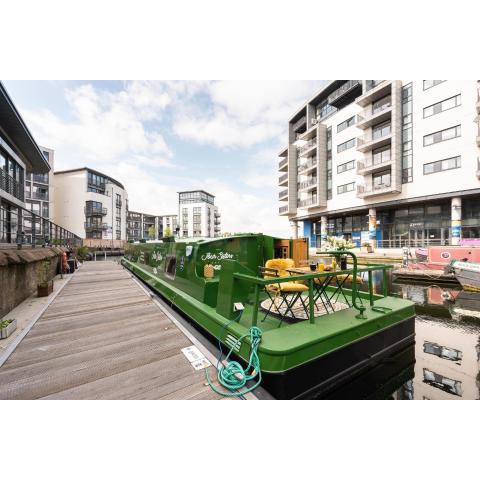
x: 198, y: 216
x: 169, y: 222
x: 92, y: 204
x: 392, y: 162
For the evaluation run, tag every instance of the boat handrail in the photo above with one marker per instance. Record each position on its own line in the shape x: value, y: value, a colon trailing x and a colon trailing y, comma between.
x: 262, y: 282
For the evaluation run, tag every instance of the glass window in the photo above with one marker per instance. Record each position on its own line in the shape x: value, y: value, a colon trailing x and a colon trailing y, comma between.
x: 348, y: 187
x: 431, y: 83
x: 381, y: 179
x: 442, y: 165
x: 347, y: 123
x: 382, y: 104
x: 442, y: 135
x: 346, y: 145
x: 439, y: 107
x: 381, y: 130
x: 381, y: 155
x: 346, y: 166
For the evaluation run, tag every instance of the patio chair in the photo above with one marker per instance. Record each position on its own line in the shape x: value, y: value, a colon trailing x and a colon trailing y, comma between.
x: 289, y: 292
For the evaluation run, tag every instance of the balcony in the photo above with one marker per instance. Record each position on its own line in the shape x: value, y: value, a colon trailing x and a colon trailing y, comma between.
x: 364, y: 168
x: 40, y: 178
x: 217, y: 214
x: 364, y: 191
x: 39, y: 196
x: 283, y: 194
x: 95, y: 228
x: 308, y: 147
x: 478, y: 101
x: 95, y: 212
x: 306, y: 166
x: 308, y: 184
x: 367, y: 118
x: 283, y: 210
x: 478, y: 168
x: 375, y: 89
x: 283, y: 165
x: 308, y: 202
x: 9, y: 185
x: 345, y: 94
x: 368, y: 142
x: 283, y: 180
x: 299, y: 123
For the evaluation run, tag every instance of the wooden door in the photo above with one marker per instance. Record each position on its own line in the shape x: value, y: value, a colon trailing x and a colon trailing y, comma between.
x: 300, y: 251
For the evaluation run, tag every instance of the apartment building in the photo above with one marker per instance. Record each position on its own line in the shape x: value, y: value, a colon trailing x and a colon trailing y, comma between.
x: 90, y: 204
x: 392, y: 162
x: 39, y: 197
x: 143, y: 226
x: 170, y: 222
x: 198, y: 216
x: 20, y: 158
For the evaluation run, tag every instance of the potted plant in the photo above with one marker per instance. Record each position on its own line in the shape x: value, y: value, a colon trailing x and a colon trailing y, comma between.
x: 368, y: 246
x: 7, y: 327
x: 44, y: 285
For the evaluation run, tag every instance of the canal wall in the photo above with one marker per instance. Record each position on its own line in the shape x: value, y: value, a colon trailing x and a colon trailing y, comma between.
x: 19, y: 273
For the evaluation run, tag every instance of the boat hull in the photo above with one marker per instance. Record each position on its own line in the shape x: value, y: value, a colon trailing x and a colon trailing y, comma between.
x: 468, y: 274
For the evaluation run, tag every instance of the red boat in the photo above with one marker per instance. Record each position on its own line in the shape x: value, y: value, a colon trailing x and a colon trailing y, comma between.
x: 436, y: 258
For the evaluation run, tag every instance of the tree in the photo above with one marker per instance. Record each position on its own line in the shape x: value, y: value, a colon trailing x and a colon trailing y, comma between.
x: 167, y: 232
x: 151, y: 232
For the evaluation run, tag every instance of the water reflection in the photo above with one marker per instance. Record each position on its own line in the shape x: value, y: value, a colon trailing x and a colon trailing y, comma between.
x: 447, y: 343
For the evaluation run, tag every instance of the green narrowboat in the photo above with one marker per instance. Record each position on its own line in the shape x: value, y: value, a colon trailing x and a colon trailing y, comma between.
x: 318, y: 326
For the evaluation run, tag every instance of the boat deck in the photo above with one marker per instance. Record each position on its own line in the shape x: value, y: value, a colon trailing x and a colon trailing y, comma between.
x: 103, y: 337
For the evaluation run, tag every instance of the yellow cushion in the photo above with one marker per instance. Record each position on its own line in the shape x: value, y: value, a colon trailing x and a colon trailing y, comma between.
x: 288, y: 287
x: 343, y: 276
x: 280, y: 264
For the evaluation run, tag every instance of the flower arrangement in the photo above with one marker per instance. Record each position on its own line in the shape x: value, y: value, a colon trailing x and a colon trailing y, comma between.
x: 338, y: 243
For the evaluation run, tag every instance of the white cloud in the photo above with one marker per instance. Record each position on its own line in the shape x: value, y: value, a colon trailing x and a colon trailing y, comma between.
x: 240, y: 113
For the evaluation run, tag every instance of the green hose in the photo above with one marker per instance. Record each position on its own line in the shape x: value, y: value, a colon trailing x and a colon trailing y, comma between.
x: 232, y: 376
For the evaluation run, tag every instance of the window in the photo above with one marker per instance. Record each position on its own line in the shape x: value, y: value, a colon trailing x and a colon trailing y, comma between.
x: 381, y: 179
x: 348, y: 187
x: 442, y: 165
x: 346, y: 166
x: 329, y: 163
x: 431, y: 83
x: 442, y: 352
x: 347, y: 123
x: 440, y: 107
x: 407, y: 145
x: 442, y: 135
x: 46, y: 155
x: 96, y: 183
x: 346, y: 145
x: 382, y: 104
x: 171, y: 265
x: 443, y: 383
x: 118, y: 200
x: 381, y: 130
x: 324, y: 109
x: 381, y: 155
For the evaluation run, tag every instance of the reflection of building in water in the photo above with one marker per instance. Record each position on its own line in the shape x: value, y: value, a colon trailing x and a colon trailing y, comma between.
x: 447, y: 360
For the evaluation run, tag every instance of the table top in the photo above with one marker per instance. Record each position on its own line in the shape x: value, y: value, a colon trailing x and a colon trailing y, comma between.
x: 302, y: 270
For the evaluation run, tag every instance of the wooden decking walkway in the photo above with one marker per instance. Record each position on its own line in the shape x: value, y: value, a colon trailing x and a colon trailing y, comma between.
x: 103, y: 338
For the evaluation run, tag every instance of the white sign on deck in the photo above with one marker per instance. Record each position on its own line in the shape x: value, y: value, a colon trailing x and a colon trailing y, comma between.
x: 195, y: 357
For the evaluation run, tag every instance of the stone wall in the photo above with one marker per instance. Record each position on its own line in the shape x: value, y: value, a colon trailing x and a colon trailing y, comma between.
x: 18, y: 273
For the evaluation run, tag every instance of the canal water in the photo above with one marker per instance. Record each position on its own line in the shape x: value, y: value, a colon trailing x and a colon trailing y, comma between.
x: 445, y: 361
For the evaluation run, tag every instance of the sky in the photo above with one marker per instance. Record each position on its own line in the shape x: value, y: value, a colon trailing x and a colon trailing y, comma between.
x: 161, y: 137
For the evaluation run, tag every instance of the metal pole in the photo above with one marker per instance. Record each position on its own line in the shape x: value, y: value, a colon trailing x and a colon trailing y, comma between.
x: 370, y: 286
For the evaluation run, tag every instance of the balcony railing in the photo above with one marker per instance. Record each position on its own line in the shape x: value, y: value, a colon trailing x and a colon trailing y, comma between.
x: 283, y: 193
x: 299, y: 123
x: 306, y: 147
x: 339, y: 92
x: 283, y: 209
x: 217, y: 214
x: 366, y: 190
x: 28, y: 228
x: 94, y: 211
x: 308, y: 201
x: 283, y: 178
x: 371, y: 164
x: 370, y: 84
x: 306, y: 165
x: 89, y: 227
x: 368, y: 114
x: 38, y: 196
x: 10, y: 185
x: 307, y: 184
x: 40, y: 177
x: 283, y: 163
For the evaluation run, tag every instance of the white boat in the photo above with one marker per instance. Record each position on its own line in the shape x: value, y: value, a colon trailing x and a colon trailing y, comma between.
x: 468, y: 274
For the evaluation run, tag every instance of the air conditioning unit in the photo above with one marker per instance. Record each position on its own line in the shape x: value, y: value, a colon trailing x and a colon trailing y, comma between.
x: 314, y: 121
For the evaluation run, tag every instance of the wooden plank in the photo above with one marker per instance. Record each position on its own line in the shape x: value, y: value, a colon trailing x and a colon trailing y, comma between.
x: 103, y: 337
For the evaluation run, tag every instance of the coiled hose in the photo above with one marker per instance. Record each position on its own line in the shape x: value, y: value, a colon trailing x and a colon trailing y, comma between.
x: 233, y: 376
